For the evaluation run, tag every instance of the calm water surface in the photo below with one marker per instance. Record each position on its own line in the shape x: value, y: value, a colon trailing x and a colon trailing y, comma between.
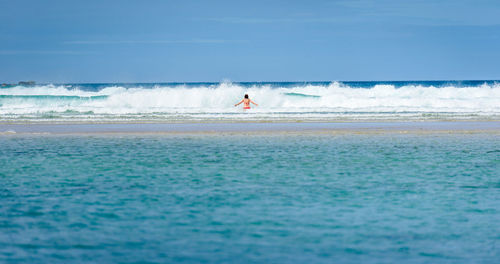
x: 250, y: 199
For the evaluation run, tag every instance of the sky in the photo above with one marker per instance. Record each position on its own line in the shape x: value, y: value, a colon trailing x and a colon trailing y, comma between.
x: 71, y: 41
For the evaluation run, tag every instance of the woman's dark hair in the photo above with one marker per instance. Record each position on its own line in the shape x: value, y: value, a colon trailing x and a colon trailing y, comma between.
x: 246, y: 96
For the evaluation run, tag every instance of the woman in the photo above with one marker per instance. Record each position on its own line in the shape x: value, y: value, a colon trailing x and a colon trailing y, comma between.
x: 246, y: 102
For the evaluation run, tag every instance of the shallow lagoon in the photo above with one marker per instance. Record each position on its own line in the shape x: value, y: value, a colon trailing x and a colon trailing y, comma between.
x: 273, y: 197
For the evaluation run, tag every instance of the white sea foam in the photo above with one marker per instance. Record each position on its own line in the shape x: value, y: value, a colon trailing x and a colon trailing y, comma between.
x: 307, y: 102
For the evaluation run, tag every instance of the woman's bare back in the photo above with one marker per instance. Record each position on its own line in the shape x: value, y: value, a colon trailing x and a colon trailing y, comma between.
x: 246, y: 102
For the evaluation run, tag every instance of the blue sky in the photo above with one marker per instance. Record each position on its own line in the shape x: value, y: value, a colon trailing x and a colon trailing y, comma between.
x: 165, y: 41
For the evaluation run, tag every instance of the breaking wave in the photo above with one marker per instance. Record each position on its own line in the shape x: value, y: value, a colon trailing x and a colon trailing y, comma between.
x: 300, y: 101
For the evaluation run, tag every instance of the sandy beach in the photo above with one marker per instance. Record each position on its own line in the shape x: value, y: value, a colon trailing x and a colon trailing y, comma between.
x: 292, y: 127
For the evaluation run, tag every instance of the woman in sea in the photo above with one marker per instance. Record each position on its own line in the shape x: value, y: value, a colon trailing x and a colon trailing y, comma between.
x: 246, y: 102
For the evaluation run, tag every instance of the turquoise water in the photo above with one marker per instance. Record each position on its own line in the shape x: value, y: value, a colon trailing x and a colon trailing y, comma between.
x: 250, y: 199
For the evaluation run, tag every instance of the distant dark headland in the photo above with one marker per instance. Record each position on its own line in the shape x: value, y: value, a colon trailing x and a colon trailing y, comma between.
x: 21, y: 83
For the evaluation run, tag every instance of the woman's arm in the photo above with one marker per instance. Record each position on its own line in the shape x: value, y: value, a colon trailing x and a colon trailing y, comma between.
x: 239, y: 103
x: 253, y: 102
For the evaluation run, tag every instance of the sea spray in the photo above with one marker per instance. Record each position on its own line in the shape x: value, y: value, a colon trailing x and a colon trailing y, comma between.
x: 277, y: 101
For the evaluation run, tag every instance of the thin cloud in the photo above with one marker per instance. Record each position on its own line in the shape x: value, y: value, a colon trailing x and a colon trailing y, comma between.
x: 421, y: 12
x: 263, y: 20
x: 250, y: 20
x: 108, y: 42
x: 43, y: 52
x: 426, y: 12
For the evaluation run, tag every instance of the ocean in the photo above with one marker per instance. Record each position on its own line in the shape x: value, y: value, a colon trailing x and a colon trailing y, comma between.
x: 321, y: 172
x: 278, y: 101
x: 351, y: 198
